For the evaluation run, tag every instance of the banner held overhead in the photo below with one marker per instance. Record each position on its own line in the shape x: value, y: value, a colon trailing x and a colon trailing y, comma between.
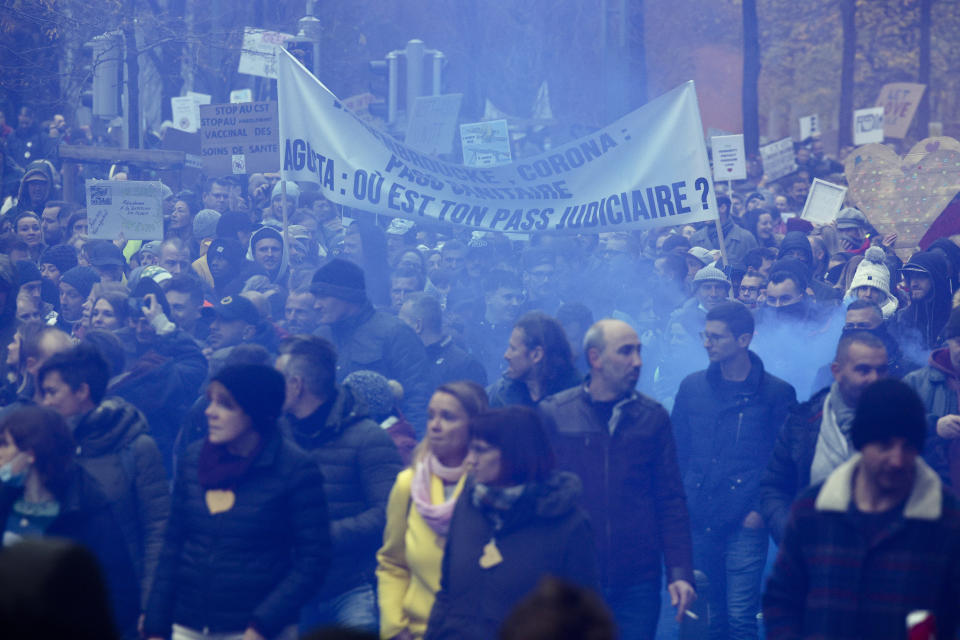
x: 647, y: 169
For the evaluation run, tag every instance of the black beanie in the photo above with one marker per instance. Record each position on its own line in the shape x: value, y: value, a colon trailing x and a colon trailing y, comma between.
x: 339, y: 279
x: 258, y: 389
x: 889, y: 409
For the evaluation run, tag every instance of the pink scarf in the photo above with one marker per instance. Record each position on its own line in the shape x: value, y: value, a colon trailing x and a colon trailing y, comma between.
x: 437, y: 516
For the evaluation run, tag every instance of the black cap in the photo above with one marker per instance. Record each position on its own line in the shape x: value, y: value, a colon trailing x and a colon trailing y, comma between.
x: 232, y: 308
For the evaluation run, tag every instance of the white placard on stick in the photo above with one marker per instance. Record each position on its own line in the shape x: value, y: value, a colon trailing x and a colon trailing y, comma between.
x: 824, y: 200
x: 128, y: 207
x: 485, y: 144
x: 241, y: 95
x: 729, y: 158
x: 186, y: 113
x: 258, y: 57
x: 809, y: 126
x: 868, y: 126
x: 433, y: 123
x: 778, y: 159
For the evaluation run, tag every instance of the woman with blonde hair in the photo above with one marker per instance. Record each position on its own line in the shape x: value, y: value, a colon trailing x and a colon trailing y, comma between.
x: 419, y: 510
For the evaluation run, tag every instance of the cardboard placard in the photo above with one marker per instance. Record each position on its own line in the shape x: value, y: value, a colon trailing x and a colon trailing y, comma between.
x: 186, y: 115
x: 729, y: 158
x: 778, y: 158
x: 433, y: 123
x: 485, y: 144
x: 239, y: 138
x: 241, y: 95
x: 128, y: 207
x: 824, y: 200
x: 868, y: 127
x: 899, y: 101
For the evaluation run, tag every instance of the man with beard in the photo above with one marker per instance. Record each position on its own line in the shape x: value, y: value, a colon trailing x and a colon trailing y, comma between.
x: 299, y: 312
x: 233, y: 321
x: 815, y: 438
x: 621, y: 445
x: 873, y: 543
x: 927, y: 278
x: 539, y: 363
x: 267, y: 251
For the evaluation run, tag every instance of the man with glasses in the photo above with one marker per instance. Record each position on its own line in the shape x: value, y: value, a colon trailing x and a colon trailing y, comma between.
x: 752, y: 291
x: 726, y: 421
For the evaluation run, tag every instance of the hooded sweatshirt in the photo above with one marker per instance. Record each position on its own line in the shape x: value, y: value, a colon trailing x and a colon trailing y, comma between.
x: 270, y: 232
x: 926, y: 318
x: 38, y: 167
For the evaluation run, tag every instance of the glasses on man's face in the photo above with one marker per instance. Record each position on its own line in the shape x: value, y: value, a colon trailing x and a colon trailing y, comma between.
x: 713, y: 338
x: 749, y: 291
x: 858, y: 326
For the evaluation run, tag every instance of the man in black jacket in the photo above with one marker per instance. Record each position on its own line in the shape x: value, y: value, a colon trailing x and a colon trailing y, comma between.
x: 114, y: 446
x: 816, y: 436
x: 726, y: 419
x: 359, y: 463
x: 621, y: 445
x: 371, y: 339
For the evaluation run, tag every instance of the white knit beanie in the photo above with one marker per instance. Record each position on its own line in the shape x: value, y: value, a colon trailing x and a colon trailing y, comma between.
x: 873, y: 272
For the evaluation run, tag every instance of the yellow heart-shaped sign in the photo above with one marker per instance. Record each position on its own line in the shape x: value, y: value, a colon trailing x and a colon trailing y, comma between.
x: 220, y: 500
x: 491, y: 555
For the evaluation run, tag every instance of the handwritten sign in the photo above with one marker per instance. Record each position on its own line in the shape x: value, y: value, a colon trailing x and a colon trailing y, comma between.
x: 778, y: 159
x: 186, y: 115
x: 485, y: 144
x: 433, y: 123
x: 899, y: 101
x: 729, y: 159
x: 259, y: 54
x: 868, y: 127
x: 128, y: 207
x: 239, y: 138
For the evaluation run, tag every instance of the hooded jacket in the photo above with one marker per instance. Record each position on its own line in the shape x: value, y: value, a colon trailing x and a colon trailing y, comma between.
x: 359, y: 463
x: 38, y: 167
x: 114, y: 446
x: 544, y: 533
x: 938, y: 385
x: 924, y: 319
x: 270, y: 232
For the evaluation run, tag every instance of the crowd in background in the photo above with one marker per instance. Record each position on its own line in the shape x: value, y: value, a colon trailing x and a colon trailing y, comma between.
x: 401, y: 426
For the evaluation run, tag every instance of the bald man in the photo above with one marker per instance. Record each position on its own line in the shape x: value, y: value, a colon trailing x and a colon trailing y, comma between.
x: 621, y: 445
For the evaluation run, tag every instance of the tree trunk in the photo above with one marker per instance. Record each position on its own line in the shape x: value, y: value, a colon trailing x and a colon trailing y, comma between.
x: 636, y: 54
x: 848, y: 14
x: 751, y: 78
x: 133, y: 76
x: 921, y: 124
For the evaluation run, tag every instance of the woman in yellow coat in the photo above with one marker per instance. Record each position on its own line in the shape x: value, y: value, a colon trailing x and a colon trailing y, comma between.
x: 419, y: 510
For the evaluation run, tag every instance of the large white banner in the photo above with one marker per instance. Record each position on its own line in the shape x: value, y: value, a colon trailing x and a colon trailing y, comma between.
x: 647, y: 169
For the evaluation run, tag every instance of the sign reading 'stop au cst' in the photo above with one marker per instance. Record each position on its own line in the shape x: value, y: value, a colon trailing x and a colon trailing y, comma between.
x: 239, y: 138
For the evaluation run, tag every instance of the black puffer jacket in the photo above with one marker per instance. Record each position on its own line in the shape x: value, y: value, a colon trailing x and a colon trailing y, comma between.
x: 87, y: 519
x: 374, y: 340
x: 360, y: 464
x: 254, y: 564
x: 114, y: 446
x: 544, y: 533
x: 788, y: 472
x: 162, y: 379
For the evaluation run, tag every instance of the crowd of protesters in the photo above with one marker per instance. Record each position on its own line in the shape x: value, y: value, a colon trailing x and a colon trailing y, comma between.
x: 285, y: 415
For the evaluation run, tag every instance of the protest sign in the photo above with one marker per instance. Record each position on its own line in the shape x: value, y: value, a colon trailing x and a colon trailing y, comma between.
x: 729, y: 158
x: 128, y: 207
x: 809, y: 126
x: 645, y: 170
x: 778, y: 158
x: 186, y: 115
x: 485, y: 144
x: 259, y: 54
x: 200, y: 98
x: 433, y: 123
x: 241, y: 95
x: 824, y: 200
x: 868, y: 126
x: 239, y: 138
x: 899, y: 101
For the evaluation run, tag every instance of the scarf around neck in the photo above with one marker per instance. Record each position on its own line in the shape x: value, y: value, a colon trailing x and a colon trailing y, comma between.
x: 496, y: 502
x: 217, y: 468
x: 437, y: 516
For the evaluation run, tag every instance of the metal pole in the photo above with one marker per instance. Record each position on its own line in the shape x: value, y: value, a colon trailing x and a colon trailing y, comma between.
x: 393, y: 89
x: 438, y: 58
x: 415, y: 49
